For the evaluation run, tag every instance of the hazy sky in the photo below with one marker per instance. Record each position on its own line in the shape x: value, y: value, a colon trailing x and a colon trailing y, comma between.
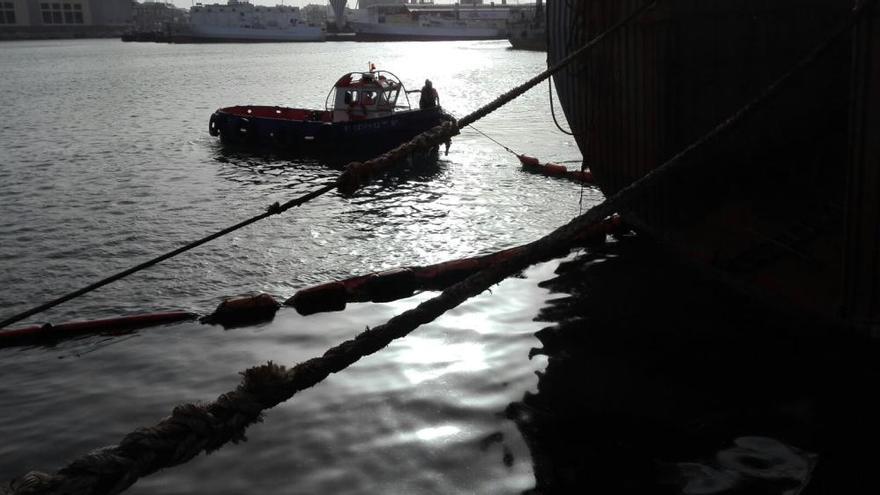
x: 188, y: 3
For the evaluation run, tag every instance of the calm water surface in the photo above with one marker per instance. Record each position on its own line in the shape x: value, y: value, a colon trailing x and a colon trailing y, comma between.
x: 105, y: 161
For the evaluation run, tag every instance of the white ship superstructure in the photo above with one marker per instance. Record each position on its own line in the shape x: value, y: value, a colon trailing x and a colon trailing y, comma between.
x: 428, y: 21
x: 239, y: 20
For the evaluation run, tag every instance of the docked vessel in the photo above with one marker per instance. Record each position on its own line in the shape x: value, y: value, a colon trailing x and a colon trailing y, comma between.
x: 241, y: 21
x: 387, y: 21
x: 782, y: 206
x: 529, y: 31
x: 365, y: 112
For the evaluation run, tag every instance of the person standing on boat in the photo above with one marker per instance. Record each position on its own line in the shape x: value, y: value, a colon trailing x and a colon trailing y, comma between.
x: 429, y: 98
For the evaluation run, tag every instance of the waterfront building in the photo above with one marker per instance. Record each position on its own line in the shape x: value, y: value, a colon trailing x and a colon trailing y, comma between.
x: 34, y: 19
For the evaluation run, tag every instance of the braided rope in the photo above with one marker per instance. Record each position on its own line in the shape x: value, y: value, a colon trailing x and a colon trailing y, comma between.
x: 192, y: 428
x: 531, y: 83
x: 355, y: 174
x: 449, y: 129
x: 353, y: 177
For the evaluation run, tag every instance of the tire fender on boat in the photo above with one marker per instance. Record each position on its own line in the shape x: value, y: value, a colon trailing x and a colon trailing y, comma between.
x: 214, y: 125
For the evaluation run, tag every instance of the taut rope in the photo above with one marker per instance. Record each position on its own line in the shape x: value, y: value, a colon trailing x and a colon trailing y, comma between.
x: 192, y: 428
x: 353, y: 177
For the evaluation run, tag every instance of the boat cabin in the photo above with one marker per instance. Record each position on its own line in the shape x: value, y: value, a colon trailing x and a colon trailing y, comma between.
x: 365, y: 95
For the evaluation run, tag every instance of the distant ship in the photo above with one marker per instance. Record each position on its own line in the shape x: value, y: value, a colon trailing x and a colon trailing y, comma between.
x: 529, y: 31
x: 390, y: 21
x: 241, y: 21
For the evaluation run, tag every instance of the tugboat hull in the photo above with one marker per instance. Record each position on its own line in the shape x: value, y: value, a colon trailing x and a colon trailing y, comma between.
x: 308, y: 132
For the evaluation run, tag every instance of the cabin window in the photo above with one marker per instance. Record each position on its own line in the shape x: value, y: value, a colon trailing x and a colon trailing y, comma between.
x: 369, y: 98
x: 351, y: 97
x: 389, y: 97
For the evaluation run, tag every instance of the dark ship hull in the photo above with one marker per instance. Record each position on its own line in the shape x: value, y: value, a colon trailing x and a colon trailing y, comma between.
x: 528, y: 36
x: 785, y: 205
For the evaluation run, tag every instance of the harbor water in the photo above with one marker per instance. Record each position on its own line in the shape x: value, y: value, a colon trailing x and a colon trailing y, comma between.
x: 106, y: 161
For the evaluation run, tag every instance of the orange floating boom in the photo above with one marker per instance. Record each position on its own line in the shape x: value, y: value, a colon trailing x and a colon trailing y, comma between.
x: 401, y: 283
x: 532, y: 164
x: 36, y: 334
x: 244, y: 310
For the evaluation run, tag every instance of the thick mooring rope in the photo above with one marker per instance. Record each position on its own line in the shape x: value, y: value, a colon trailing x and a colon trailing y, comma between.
x: 355, y: 174
x: 193, y: 428
x: 531, y: 83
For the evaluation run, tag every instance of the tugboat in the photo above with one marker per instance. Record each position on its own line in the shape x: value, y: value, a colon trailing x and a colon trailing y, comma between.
x: 362, y: 114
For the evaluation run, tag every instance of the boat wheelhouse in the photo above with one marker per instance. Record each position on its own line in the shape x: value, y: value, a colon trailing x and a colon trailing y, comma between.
x: 365, y: 112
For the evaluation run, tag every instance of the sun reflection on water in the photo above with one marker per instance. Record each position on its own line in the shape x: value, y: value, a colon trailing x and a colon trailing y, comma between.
x: 437, y: 433
x: 426, y: 359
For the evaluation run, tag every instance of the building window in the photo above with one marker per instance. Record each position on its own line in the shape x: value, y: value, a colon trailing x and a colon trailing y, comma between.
x: 7, y: 13
x: 62, y: 13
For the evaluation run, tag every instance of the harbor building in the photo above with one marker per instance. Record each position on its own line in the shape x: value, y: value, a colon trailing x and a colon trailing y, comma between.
x: 39, y: 19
